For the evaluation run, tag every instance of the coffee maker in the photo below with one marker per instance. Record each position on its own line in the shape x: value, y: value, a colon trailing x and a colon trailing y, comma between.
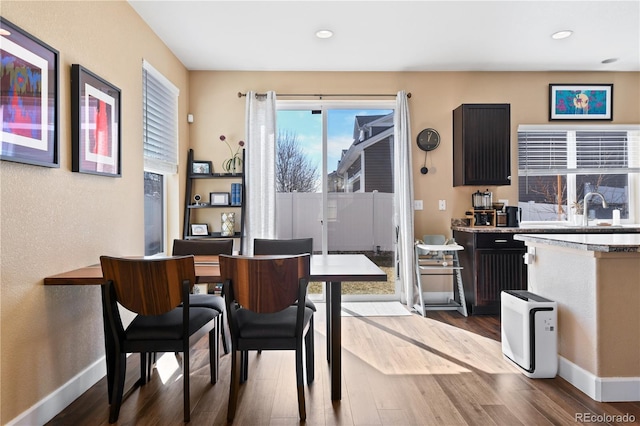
x: 514, y: 216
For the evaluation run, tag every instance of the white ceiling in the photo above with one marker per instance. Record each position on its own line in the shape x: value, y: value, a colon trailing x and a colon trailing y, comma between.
x: 398, y: 35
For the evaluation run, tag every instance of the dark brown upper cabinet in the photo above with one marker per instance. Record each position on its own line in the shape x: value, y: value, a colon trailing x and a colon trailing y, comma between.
x: 482, y: 144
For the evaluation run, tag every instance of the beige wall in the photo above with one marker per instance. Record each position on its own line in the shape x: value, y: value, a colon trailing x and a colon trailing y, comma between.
x: 53, y: 220
x: 218, y: 110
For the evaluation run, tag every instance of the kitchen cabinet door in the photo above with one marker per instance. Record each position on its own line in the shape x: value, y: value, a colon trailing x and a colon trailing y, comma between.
x: 482, y: 144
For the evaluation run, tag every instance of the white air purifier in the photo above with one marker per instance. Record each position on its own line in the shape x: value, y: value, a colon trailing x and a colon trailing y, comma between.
x: 530, y: 333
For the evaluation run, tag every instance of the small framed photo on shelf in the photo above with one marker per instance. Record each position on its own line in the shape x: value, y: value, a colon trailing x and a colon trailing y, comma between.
x: 201, y: 168
x: 580, y: 102
x: 199, y: 229
x: 219, y: 198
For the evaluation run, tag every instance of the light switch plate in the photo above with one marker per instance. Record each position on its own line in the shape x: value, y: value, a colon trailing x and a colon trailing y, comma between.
x: 442, y: 204
x: 417, y: 205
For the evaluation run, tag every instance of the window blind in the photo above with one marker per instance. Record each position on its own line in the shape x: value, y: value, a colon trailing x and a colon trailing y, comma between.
x: 547, y: 151
x: 160, y: 121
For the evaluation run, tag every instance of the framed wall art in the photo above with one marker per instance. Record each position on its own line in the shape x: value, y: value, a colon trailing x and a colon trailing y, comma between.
x: 30, y: 98
x: 580, y: 102
x: 95, y: 124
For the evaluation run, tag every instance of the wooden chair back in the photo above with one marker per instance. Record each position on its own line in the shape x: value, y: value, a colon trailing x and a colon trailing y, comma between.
x: 280, y: 246
x: 202, y: 247
x: 266, y: 284
x: 149, y: 286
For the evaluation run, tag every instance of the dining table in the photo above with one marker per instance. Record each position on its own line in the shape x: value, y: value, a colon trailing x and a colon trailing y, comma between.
x: 332, y: 269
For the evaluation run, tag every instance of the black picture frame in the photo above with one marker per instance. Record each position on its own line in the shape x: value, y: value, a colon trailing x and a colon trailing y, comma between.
x: 219, y: 198
x: 30, y: 98
x: 581, y: 102
x: 201, y: 168
x: 199, y: 229
x: 95, y: 124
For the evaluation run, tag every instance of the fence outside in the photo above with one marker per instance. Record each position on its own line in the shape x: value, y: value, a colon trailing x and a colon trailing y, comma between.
x: 356, y: 221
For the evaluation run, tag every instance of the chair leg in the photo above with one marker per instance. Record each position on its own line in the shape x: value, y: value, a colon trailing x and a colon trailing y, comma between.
x: 221, y: 322
x: 234, y: 385
x: 120, y: 369
x: 309, y: 348
x: 300, y: 382
x: 244, y: 369
x: 144, y: 362
x: 185, y: 390
x: 214, y: 354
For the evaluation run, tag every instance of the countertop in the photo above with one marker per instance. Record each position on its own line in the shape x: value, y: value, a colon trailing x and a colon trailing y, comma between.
x: 551, y: 228
x: 608, y: 243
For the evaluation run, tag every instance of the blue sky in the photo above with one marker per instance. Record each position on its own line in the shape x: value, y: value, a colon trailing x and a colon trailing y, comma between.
x: 308, y: 128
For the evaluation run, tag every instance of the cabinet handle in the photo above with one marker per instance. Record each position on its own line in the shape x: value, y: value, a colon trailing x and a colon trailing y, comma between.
x: 499, y: 241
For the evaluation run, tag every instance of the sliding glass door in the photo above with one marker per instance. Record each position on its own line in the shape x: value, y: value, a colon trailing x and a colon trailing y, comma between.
x: 334, y: 181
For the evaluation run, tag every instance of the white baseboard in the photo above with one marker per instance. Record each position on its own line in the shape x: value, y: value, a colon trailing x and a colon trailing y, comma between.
x: 48, y: 407
x: 602, y: 389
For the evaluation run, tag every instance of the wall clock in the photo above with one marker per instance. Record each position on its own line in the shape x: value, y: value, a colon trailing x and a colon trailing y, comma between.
x: 428, y: 139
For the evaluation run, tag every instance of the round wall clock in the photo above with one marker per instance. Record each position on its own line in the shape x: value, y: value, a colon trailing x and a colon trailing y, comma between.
x: 428, y: 139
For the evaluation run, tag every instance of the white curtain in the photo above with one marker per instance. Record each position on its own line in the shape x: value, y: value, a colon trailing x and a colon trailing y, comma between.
x: 403, y: 199
x: 260, y: 168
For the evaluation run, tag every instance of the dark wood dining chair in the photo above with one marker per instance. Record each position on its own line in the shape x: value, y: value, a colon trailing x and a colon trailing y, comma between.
x: 266, y: 311
x: 157, y: 290
x: 212, y: 301
x: 262, y: 246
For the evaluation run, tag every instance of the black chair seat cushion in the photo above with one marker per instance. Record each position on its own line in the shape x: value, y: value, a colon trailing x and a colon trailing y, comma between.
x: 210, y: 301
x: 277, y: 325
x: 168, y: 326
x: 309, y: 304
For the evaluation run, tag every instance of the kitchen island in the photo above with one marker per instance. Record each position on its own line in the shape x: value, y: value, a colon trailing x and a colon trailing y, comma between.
x: 492, y: 259
x: 595, y: 279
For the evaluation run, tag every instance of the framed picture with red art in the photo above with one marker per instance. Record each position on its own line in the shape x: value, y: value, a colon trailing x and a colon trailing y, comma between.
x: 95, y: 124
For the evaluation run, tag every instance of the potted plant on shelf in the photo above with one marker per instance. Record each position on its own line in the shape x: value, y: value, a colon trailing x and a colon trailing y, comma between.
x: 232, y: 164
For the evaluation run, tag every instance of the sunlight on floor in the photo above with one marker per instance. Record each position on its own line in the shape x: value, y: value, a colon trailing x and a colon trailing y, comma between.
x: 166, y: 366
x: 444, y: 349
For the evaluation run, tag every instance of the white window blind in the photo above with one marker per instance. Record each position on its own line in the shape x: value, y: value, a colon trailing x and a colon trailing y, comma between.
x: 545, y: 150
x: 160, y: 121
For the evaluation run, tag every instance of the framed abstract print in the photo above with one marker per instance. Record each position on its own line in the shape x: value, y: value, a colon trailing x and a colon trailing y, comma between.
x: 95, y: 124
x: 29, y: 101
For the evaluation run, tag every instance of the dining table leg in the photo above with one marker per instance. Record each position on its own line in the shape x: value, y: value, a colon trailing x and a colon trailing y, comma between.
x: 109, y: 344
x: 335, y: 349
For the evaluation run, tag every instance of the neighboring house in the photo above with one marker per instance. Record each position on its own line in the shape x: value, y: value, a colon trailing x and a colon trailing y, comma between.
x: 367, y: 165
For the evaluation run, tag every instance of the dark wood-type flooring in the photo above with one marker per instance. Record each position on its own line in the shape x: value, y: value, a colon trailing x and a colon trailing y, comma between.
x: 408, y: 370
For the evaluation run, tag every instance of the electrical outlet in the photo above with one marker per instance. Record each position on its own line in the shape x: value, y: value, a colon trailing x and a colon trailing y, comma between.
x: 417, y: 205
x: 442, y: 204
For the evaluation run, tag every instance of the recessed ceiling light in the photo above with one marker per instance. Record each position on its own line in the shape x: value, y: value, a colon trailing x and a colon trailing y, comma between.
x: 324, y: 33
x: 559, y: 35
x: 610, y: 60
x: 4, y: 32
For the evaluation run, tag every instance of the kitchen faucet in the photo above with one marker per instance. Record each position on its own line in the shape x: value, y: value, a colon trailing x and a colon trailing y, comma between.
x: 585, y: 221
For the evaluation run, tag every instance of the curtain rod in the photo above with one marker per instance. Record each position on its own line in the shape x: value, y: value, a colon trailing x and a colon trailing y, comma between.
x: 320, y: 95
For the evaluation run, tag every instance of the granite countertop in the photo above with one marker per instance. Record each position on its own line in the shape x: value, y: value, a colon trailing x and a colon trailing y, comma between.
x: 547, y: 228
x: 628, y: 243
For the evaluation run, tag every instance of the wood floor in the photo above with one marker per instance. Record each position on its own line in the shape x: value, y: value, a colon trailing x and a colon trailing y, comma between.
x: 440, y: 370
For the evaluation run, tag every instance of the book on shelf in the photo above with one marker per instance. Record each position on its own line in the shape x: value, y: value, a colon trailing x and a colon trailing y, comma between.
x: 236, y: 194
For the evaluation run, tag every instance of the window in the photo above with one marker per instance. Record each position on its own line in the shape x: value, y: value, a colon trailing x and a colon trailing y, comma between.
x: 559, y: 165
x: 160, y: 146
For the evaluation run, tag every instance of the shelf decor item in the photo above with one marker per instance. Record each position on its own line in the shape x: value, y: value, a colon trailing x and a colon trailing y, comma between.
x: 199, y: 229
x: 219, y: 198
x: 201, y: 168
x: 235, y: 162
x: 580, y: 102
x: 30, y: 99
x: 95, y: 128
x: 228, y: 224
